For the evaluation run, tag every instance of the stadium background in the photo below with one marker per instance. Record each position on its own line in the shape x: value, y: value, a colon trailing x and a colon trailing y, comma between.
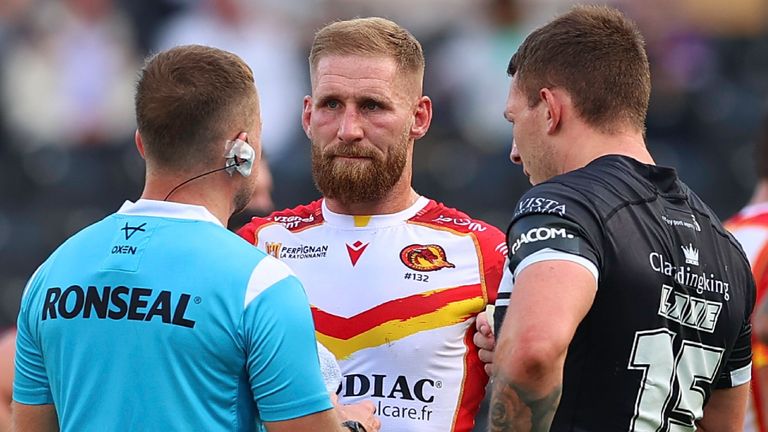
x: 67, y: 69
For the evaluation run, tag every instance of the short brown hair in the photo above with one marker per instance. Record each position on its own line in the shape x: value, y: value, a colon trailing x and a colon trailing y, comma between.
x: 598, y: 56
x: 368, y: 37
x: 189, y: 98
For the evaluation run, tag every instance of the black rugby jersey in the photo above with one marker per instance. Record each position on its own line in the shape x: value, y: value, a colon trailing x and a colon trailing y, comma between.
x: 670, y: 320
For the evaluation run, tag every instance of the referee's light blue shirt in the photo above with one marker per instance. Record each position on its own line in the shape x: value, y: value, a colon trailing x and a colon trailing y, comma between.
x: 158, y: 318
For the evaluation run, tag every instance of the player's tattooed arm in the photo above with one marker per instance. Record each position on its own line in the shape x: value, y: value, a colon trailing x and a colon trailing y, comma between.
x: 514, y: 409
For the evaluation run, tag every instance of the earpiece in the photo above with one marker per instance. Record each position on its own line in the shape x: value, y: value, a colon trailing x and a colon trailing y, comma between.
x: 240, y: 156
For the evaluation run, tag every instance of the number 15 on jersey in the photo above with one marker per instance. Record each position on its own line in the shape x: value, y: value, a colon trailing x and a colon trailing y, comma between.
x: 673, y: 383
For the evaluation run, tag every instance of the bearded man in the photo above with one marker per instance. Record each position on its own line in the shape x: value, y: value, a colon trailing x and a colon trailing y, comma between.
x: 394, y: 279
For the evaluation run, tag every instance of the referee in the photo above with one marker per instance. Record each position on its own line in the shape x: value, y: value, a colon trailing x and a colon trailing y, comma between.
x: 157, y: 318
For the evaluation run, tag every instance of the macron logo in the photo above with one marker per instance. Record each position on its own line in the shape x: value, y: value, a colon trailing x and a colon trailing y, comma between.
x: 355, y: 250
x: 691, y: 254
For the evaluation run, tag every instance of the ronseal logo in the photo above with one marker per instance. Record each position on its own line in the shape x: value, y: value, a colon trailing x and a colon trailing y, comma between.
x: 539, y: 234
x: 117, y: 303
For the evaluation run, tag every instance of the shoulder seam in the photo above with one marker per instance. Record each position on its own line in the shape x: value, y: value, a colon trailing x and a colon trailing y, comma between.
x: 265, y: 274
x: 441, y: 228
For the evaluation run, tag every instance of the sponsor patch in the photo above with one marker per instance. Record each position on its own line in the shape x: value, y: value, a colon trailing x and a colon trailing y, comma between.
x: 279, y: 251
x: 678, y: 219
x: 697, y: 313
x: 395, y: 396
x: 462, y: 222
x: 291, y: 222
x: 685, y: 275
x: 539, y: 205
x: 117, y: 303
x: 429, y: 257
x: 538, y: 234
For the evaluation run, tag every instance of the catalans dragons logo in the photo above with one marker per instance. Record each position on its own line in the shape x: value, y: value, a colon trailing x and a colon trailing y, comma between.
x: 429, y: 257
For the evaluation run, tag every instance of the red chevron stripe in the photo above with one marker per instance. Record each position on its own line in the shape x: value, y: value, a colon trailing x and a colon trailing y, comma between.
x: 398, y: 309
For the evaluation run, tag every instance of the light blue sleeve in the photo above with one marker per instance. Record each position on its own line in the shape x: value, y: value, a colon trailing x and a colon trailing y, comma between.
x: 282, y: 361
x: 30, y: 383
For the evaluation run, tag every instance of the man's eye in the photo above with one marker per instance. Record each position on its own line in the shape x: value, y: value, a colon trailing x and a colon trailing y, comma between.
x: 370, y: 105
x: 333, y: 104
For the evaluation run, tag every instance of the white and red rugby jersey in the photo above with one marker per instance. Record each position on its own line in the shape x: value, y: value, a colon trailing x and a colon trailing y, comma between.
x: 394, y: 297
x: 750, y: 227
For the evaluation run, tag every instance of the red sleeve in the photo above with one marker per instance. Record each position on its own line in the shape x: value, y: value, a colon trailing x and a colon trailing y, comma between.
x: 294, y: 219
x: 249, y: 231
x: 493, y: 250
x: 491, y: 243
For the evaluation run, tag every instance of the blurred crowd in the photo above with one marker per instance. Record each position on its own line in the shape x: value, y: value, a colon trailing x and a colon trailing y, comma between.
x: 67, y: 70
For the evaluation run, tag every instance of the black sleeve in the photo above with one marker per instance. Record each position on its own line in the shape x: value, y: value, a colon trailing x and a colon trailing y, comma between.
x: 737, y: 365
x: 534, y: 233
x: 549, y: 216
x: 558, y: 217
x: 739, y: 362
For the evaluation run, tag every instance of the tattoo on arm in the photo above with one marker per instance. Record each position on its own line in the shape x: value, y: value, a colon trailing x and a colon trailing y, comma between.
x: 514, y: 409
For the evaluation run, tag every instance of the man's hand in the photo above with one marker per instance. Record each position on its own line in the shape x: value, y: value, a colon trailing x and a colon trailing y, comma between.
x: 485, y: 340
x: 361, y: 412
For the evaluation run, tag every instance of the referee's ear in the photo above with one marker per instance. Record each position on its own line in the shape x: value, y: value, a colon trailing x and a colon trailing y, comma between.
x: 139, y: 143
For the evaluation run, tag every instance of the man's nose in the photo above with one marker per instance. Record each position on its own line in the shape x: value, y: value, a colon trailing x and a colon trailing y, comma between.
x: 350, y: 127
x: 514, y: 155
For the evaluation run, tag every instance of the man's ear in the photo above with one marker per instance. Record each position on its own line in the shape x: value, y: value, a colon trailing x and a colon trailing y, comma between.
x: 553, y: 103
x: 139, y: 143
x: 422, y: 117
x: 306, y: 116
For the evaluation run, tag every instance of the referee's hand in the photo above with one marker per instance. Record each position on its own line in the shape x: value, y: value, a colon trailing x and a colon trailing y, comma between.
x: 362, y: 412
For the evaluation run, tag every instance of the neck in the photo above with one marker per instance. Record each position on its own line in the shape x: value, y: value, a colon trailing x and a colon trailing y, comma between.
x: 592, y: 145
x: 202, y: 194
x: 761, y: 193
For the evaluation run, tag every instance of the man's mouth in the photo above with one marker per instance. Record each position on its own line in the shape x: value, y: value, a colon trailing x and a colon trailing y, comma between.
x: 350, y: 157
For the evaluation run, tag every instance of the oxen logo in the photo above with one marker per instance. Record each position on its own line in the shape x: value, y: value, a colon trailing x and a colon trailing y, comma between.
x: 425, y: 257
x: 274, y: 249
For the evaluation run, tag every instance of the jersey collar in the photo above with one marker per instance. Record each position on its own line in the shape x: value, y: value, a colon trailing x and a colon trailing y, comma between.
x: 373, y: 221
x: 145, y: 207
